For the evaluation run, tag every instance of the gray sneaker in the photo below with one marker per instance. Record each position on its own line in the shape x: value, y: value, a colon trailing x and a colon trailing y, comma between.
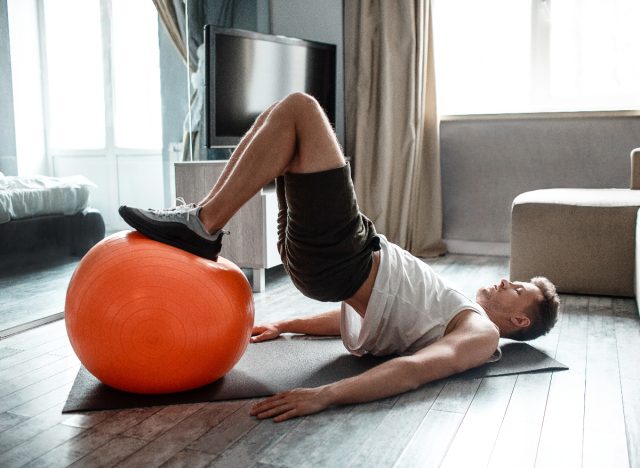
x: 179, y: 226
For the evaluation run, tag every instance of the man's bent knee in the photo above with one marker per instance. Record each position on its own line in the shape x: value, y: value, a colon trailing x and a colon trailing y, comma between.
x: 302, y: 103
x: 301, y: 98
x: 317, y: 147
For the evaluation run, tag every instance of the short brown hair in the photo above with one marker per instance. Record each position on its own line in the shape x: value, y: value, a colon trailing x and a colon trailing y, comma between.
x: 544, y: 316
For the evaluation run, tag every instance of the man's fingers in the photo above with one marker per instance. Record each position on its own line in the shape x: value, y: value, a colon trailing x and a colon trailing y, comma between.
x: 278, y: 410
x: 258, y: 338
x: 264, y: 332
x: 270, y: 408
x: 265, y: 335
x: 292, y: 413
x: 287, y: 405
x: 268, y: 403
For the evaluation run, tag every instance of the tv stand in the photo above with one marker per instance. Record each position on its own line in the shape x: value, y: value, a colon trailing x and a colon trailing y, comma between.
x: 253, y: 240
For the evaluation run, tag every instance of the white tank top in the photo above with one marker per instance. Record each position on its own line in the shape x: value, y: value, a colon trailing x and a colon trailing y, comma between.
x: 409, y: 308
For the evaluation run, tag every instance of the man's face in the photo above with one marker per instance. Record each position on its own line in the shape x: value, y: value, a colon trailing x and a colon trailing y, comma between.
x: 510, y: 297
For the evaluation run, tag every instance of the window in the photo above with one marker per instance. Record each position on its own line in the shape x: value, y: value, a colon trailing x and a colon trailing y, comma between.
x: 74, y: 75
x: 136, y: 74
x: 102, y: 74
x: 502, y: 56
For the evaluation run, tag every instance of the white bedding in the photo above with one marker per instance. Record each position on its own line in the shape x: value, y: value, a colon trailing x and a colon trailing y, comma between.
x: 24, y: 197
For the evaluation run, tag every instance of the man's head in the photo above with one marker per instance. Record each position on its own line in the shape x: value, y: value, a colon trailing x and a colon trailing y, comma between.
x: 523, y: 311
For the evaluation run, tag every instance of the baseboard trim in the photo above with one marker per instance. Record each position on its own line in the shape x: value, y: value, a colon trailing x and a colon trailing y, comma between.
x: 498, y: 249
x: 29, y: 325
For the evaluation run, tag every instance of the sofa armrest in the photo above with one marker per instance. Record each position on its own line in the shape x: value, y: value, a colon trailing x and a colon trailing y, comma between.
x: 636, y: 278
x: 635, y: 169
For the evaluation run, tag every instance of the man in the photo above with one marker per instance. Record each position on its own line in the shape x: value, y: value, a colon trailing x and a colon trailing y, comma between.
x: 392, y: 302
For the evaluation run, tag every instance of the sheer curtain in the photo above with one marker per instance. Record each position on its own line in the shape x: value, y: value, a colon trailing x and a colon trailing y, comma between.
x: 392, y: 127
x: 172, y: 14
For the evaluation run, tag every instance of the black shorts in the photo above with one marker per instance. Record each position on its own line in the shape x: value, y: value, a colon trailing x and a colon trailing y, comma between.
x: 324, y: 241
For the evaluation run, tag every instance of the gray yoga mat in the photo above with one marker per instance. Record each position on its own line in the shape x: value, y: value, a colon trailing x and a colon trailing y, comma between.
x: 288, y: 362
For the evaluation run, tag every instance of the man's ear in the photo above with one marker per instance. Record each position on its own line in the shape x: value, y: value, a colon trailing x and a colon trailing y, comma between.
x: 520, y: 321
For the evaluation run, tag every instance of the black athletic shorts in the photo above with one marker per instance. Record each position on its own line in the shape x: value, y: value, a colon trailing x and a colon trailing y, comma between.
x: 324, y: 241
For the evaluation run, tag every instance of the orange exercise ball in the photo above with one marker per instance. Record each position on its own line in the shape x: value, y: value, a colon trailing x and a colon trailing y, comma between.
x: 146, y: 317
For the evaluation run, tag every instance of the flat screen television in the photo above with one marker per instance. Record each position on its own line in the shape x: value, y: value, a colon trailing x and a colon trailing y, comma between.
x: 245, y: 72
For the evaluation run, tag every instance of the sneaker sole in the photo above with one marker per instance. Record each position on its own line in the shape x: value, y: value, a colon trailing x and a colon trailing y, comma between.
x: 202, y: 250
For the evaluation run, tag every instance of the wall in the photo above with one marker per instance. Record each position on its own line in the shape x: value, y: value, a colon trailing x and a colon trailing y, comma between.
x: 8, y: 163
x: 487, y: 162
x: 252, y: 15
x: 316, y: 20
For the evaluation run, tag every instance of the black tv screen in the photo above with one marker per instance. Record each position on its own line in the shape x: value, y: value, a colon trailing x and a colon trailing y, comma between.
x: 247, y: 71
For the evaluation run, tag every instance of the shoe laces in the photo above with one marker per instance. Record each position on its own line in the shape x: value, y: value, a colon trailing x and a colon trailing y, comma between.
x: 183, y: 207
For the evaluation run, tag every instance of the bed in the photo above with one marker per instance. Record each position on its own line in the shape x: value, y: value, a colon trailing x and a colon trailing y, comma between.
x: 43, y: 213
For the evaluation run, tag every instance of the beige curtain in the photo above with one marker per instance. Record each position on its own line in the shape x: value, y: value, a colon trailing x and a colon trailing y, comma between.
x: 172, y: 16
x: 392, y: 127
x: 169, y: 18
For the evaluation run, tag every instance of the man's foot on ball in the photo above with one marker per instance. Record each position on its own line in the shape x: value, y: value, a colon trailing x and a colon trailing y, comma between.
x: 179, y: 226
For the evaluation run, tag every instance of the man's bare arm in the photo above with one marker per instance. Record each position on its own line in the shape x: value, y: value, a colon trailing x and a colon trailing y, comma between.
x: 458, y: 351
x: 326, y: 324
x: 467, y: 346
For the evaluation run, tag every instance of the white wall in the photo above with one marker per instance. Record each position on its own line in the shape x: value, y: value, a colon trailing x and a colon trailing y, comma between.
x: 487, y: 162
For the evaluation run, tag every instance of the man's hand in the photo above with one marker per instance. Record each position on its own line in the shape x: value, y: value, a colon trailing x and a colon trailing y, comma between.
x: 291, y: 404
x: 327, y: 324
x: 265, y: 332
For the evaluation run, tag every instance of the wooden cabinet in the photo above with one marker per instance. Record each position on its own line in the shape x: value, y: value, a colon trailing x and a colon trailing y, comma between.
x: 252, y: 243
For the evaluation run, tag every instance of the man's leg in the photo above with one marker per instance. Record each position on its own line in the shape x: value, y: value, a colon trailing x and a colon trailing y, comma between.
x: 294, y: 136
x: 237, y: 152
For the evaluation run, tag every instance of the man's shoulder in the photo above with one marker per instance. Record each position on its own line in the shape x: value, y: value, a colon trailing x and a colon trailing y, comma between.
x: 470, y: 321
x: 476, y: 335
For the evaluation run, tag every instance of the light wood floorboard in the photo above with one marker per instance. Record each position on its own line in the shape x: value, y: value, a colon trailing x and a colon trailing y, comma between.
x: 628, y: 343
x: 604, y: 431
x: 398, y: 426
x: 587, y: 416
x: 561, y: 438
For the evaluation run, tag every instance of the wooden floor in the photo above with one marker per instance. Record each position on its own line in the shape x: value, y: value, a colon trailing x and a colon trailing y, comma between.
x: 587, y: 416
